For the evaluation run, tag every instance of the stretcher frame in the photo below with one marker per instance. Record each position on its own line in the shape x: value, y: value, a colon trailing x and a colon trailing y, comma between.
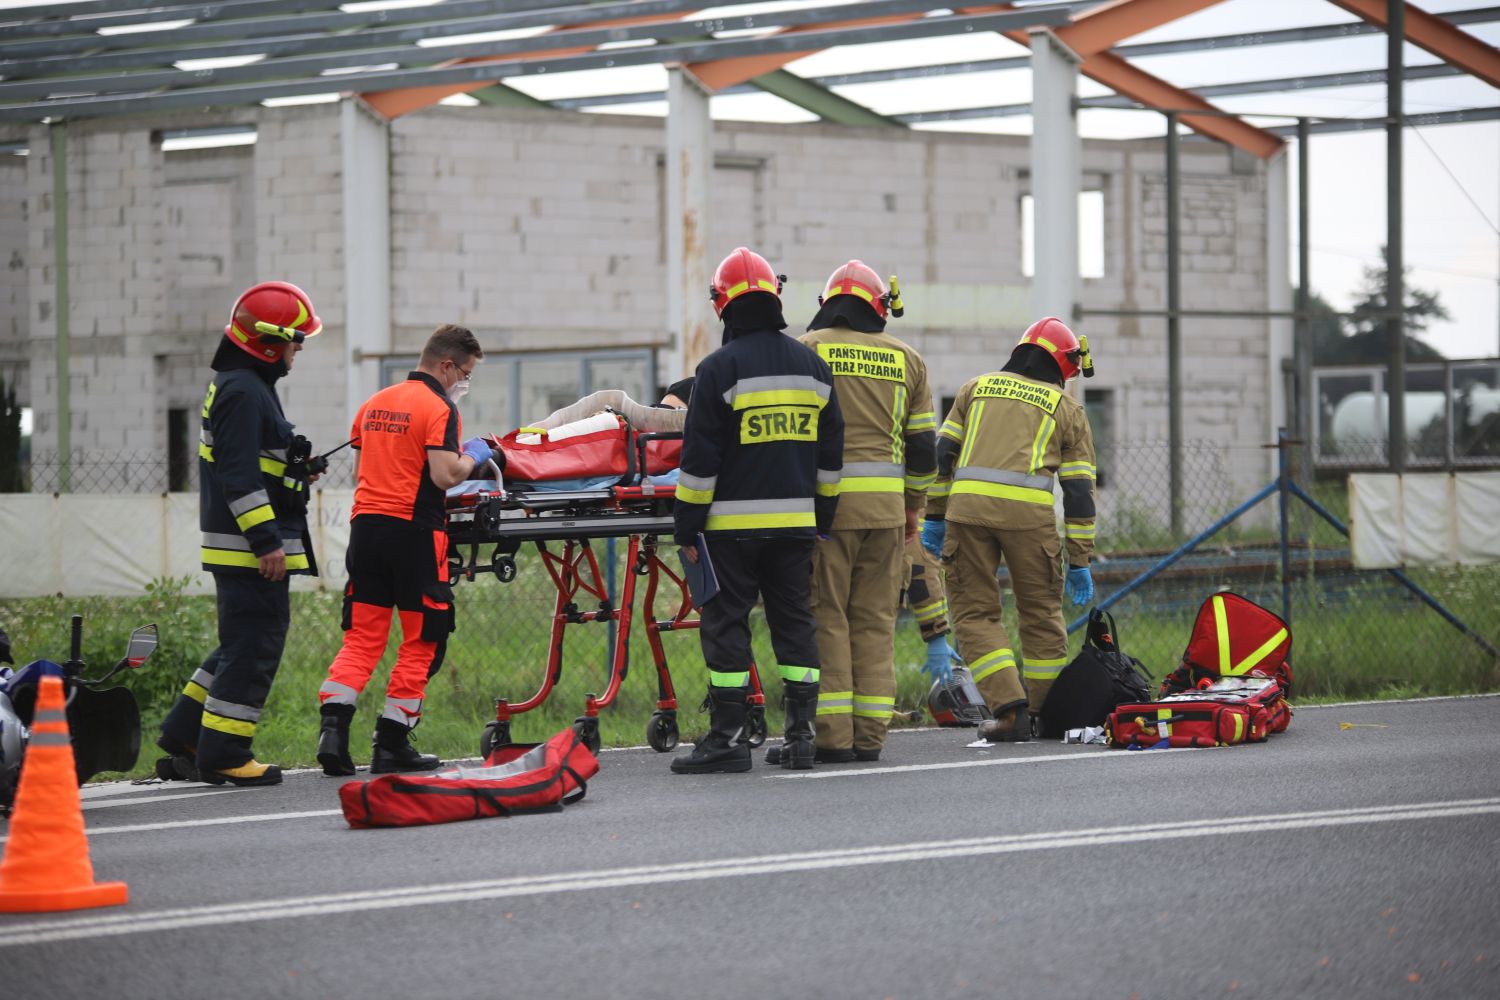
x: 637, y: 511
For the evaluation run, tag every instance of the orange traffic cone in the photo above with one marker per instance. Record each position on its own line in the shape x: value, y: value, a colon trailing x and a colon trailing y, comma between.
x: 46, y: 864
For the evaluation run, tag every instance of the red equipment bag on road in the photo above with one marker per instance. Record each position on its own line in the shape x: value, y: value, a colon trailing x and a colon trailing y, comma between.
x: 610, y: 452
x: 1232, y: 686
x: 515, y: 777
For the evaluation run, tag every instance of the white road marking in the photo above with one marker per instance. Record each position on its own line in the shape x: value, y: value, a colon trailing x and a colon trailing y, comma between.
x: 220, y: 821
x: 1080, y: 754
x: 73, y: 928
x: 200, y: 796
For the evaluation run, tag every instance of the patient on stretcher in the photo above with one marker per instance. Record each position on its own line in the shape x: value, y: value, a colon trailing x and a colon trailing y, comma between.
x: 601, y: 428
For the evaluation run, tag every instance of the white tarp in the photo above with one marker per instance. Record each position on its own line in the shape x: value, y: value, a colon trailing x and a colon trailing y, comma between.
x: 1424, y: 518
x: 114, y: 545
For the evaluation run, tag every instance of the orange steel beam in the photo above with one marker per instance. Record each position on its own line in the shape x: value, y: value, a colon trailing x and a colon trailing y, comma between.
x: 1448, y: 43
x: 1107, y: 25
x: 393, y: 103
x: 721, y: 73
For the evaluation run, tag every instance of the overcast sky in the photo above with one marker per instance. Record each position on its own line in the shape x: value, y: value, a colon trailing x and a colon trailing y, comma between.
x: 1452, y: 189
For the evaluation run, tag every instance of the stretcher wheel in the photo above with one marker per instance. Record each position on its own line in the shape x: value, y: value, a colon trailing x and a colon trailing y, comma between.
x: 496, y: 734
x: 588, y: 731
x: 661, y: 731
x: 755, y: 724
x: 505, y: 568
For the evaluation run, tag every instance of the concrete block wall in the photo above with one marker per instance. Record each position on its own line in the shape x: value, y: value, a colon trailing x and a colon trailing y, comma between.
x: 15, y: 248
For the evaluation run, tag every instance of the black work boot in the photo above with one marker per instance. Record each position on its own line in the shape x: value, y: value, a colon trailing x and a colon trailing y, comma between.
x: 333, y: 740
x: 394, y: 752
x: 799, y: 702
x: 724, y: 748
x: 823, y: 755
x: 180, y: 764
x: 1010, y: 725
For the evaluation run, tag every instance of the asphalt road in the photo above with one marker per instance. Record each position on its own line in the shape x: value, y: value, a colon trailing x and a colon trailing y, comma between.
x: 1335, y: 860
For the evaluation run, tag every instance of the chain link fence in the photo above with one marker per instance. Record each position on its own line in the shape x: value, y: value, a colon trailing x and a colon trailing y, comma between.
x: 1356, y: 632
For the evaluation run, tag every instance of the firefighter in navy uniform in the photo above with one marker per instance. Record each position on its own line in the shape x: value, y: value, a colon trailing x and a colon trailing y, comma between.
x: 253, y: 514
x: 761, y: 453
x: 1010, y: 435
x: 889, y: 463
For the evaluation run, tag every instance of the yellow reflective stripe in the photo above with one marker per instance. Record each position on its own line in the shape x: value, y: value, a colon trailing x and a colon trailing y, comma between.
x: 689, y: 495
x: 1039, y: 444
x: 1042, y: 669
x: 779, y: 397
x: 874, y: 707
x: 829, y: 489
x: 871, y: 484
x: 726, y: 679
x: 1002, y: 491
x: 1080, y: 530
x: 898, y: 441
x: 734, y: 290
x: 254, y: 516
x: 835, y: 702
x: 1075, y: 469
x: 1239, y: 728
x: 971, y: 433
x: 921, y: 422
x: 228, y: 557
x: 1163, y: 727
x: 234, y: 727
x: 941, y: 489
x: 804, y: 675
x: 729, y: 522
x: 953, y: 429
x: 843, y: 709
x: 1221, y: 626
x: 1249, y: 662
x: 992, y: 662
x: 919, y: 483
x: 272, y: 467
x: 195, y: 691
x: 768, y: 286
x: 1046, y: 344
x: 927, y: 612
x: 205, y: 452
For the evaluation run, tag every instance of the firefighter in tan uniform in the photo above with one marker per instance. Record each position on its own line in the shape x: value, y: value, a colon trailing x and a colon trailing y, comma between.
x: 889, y: 463
x: 1009, y: 436
x: 927, y: 599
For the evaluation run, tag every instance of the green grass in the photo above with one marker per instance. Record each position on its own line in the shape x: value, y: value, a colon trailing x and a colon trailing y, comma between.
x: 1354, y: 637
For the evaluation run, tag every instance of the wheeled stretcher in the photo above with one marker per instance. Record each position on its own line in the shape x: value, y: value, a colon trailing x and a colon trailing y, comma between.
x: 505, y: 514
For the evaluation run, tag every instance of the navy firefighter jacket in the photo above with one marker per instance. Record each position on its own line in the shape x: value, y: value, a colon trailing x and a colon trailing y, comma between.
x: 763, y: 443
x: 251, y: 500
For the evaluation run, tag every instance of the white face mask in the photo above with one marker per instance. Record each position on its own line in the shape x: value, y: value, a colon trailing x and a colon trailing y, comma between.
x: 458, y: 389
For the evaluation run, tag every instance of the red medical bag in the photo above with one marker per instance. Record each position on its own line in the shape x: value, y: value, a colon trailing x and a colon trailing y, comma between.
x: 610, y: 452
x: 515, y: 777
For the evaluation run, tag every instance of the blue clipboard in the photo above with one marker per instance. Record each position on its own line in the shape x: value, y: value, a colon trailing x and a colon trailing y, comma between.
x: 702, y: 583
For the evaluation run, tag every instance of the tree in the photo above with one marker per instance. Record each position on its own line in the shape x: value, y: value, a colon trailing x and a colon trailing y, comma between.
x: 10, y: 439
x: 1364, y: 339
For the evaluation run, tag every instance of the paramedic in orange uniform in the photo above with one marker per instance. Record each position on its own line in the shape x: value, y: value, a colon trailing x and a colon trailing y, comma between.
x: 409, y: 456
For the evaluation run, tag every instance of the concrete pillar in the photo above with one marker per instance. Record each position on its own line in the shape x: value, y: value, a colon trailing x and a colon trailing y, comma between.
x: 689, y: 166
x: 1056, y: 176
x: 365, y: 146
x: 1278, y: 299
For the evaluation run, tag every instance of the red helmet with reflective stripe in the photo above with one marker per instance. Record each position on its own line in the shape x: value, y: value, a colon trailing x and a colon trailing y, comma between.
x: 269, y: 317
x: 855, y: 278
x: 743, y: 271
x: 1053, y: 336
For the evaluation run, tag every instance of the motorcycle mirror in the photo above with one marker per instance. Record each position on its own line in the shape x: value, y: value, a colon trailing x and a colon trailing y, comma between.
x: 142, y: 644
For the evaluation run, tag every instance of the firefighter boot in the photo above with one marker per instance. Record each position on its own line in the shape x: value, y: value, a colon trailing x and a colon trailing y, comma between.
x: 248, y: 775
x: 333, y: 741
x: 1011, y: 724
x: 724, y: 748
x: 799, y: 702
x: 393, y: 750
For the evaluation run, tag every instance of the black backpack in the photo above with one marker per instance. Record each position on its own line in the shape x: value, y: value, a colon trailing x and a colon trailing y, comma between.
x: 1100, y: 677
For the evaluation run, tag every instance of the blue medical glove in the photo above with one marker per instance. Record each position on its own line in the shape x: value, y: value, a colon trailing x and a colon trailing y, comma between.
x: 933, y: 533
x: 939, y: 665
x: 477, y: 449
x: 1080, y: 585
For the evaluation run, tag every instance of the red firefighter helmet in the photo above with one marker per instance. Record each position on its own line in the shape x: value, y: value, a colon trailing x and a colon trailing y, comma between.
x: 1053, y: 336
x: 743, y: 271
x: 270, y: 316
x: 957, y: 701
x: 857, y: 279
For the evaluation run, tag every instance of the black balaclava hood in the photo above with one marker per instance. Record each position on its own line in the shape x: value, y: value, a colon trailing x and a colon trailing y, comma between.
x: 752, y: 312
x: 682, y: 389
x: 229, y: 358
x: 849, y: 311
x: 1031, y: 361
